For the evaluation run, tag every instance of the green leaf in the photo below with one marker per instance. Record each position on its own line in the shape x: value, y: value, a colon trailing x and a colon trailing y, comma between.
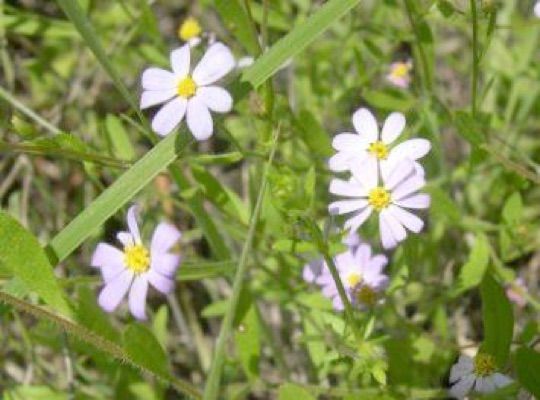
x: 473, y: 271
x: 144, y: 349
x: 121, y: 144
x: 90, y: 315
x: 237, y: 21
x: 293, y: 43
x: 498, y: 320
x: 313, y: 134
x: 468, y: 128
x: 118, y: 194
x: 512, y: 212
x: 290, y: 391
x: 527, y: 368
x: 248, y: 342
x: 77, y: 15
x: 21, y: 253
x: 446, y: 8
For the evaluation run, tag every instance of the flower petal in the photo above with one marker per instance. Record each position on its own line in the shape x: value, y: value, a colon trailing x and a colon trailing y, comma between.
x: 169, y: 116
x: 133, y: 225
x: 501, y: 380
x: 158, y: 79
x: 485, y: 384
x: 393, y: 127
x: 137, y: 297
x: 412, y: 149
x: 160, y: 282
x: 125, y: 238
x: 180, y: 60
x: 355, y: 222
x: 463, y: 367
x: 113, y: 292
x: 199, y: 119
x: 216, y: 99
x: 166, y: 264
x: 164, y: 237
x: 387, y: 236
x: 365, y: 124
x: 151, y: 98
x: 366, y: 172
x: 398, y: 231
x: 109, y: 259
x: 407, y: 187
x: 217, y: 62
x: 350, y: 188
x: 418, y: 201
x: 408, y: 220
x: 350, y: 142
x: 462, y: 387
x: 401, y: 171
x: 347, y: 206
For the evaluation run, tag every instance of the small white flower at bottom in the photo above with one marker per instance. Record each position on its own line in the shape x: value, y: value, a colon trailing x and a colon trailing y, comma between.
x: 192, y: 95
x: 478, y: 373
x: 397, y: 192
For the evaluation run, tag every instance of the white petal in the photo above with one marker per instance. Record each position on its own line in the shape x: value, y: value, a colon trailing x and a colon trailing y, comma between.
x: 462, y: 387
x: 112, y: 294
x: 164, y: 237
x: 180, y: 60
x: 349, y: 142
x: 387, y: 237
x: 464, y: 366
x: 408, y: 220
x: 393, y: 127
x: 151, y: 98
x: 217, y: 62
x: 355, y: 222
x: 412, y: 149
x: 158, y: 79
x: 199, y: 119
x: 133, y: 225
x: 215, y: 98
x: 137, y: 297
x: 125, y: 238
x: 366, y: 172
x: 347, y: 206
x: 350, y: 188
x: 398, y: 231
x: 365, y: 124
x: 501, y: 380
x: 485, y: 384
x: 162, y: 283
x: 407, y: 187
x: 418, y: 201
x: 169, y: 116
x: 399, y: 173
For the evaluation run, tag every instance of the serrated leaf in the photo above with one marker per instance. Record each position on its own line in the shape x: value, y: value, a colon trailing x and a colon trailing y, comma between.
x: 527, y: 368
x: 145, y: 350
x: 498, y: 320
x: 22, y: 254
x: 290, y: 391
x: 472, y: 273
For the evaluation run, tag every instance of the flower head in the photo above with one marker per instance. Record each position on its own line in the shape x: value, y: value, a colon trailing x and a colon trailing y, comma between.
x: 390, y: 198
x: 376, y: 152
x: 361, y: 275
x: 190, y: 31
x: 135, y: 266
x: 516, y: 292
x: 480, y: 373
x: 189, y: 93
x: 400, y: 73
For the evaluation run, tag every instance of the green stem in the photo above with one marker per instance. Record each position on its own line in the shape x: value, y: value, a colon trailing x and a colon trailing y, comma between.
x: 211, y: 390
x: 474, y: 84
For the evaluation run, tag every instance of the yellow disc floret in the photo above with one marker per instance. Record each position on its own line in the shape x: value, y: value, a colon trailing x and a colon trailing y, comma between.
x: 379, y: 150
x: 354, y: 279
x: 186, y: 87
x: 379, y: 198
x: 189, y: 29
x: 137, y: 258
x: 401, y: 70
x: 484, y: 364
x: 366, y: 295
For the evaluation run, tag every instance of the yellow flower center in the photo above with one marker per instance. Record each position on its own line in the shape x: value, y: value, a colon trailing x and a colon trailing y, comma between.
x: 401, y: 70
x: 366, y: 295
x: 137, y: 258
x: 186, y: 87
x: 189, y: 29
x: 354, y: 279
x: 379, y: 198
x: 379, y: 150
x: 484, y: 364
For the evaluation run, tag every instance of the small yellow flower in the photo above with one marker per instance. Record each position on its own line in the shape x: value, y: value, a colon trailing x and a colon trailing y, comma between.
x: 189, y: 29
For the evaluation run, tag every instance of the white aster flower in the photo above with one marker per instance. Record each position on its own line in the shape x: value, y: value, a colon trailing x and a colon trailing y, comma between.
x: 188, y: 93
x: 375, y: 151
x: 479, y: 373
x: 397, y: 192
x: 537, y: 9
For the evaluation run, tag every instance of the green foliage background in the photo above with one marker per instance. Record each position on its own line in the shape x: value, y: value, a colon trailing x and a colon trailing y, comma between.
x: 75, y: 151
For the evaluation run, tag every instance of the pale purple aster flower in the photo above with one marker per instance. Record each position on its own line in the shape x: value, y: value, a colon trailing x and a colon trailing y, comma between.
x: 516, y: 292
x: 135, y: 266
x: 400, y: 74
x: 192, y: 94
x: 479, y: 373
x: 376, y: 152
x: 361, y: 275
x: 397, y: 192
